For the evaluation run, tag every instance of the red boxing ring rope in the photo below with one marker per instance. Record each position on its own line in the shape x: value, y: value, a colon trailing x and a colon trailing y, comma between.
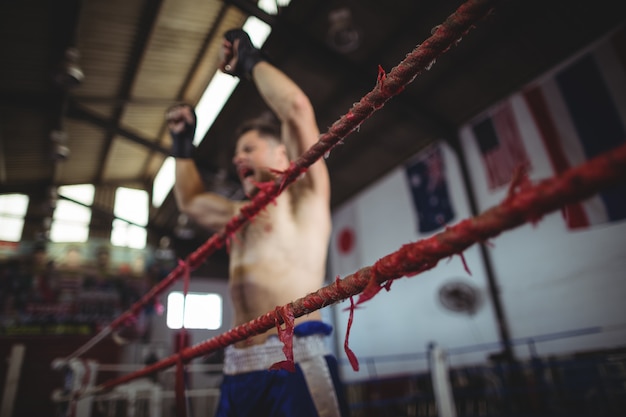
x: 443, y: 38
x: 525, y: 203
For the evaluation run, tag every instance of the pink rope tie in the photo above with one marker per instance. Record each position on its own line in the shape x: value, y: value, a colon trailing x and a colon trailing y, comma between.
x: 285, y: 314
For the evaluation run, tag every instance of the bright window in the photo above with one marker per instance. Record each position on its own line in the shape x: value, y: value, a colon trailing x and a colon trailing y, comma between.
x: 163, y: 182
x: 82, y: 193
x: 70, y: 221
x: 12, y: 211
x: 131, y: 205
x: 214, y: 97
x: 271, y: 6
x: 222, y: 85
x: 197, y: 311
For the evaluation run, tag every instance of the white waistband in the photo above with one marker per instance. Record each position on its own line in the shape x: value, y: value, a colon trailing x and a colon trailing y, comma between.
x: 262, y: 357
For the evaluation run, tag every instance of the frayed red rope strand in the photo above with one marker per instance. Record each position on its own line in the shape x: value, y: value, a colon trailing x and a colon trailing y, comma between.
x: 354, y: 361
x: 286, y: 336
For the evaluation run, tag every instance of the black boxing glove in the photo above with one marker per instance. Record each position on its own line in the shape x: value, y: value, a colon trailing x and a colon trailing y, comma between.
x: 182, y: 139
x: 247, y: 54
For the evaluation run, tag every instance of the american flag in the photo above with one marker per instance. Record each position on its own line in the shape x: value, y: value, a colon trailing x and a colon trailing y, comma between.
x: 499, y: 140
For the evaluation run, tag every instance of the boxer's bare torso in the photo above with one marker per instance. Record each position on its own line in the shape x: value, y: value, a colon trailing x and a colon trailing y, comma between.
x: 279, y: 257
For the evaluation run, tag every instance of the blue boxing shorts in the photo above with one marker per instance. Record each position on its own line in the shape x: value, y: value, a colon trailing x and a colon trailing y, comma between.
x: 313, y: 390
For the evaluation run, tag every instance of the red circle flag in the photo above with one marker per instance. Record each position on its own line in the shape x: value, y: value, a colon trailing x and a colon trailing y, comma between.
x: 345, y: 240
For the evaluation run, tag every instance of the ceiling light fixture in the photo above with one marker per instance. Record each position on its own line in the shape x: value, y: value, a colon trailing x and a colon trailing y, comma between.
x: 342, y: 34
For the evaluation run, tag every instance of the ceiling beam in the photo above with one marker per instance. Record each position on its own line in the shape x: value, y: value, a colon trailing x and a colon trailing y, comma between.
x: 149, y: 17
x: 79, y: 112
x: 35, y: 186
x: 37, y: 101
x: 192, y: 73
x: 110, y: 215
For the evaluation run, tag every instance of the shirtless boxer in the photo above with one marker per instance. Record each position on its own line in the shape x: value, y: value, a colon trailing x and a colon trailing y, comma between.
x: 277, y: 257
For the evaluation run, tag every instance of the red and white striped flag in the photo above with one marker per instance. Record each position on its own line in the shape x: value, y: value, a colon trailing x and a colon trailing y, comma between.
x: 499, y: 140
x: 580, y: 112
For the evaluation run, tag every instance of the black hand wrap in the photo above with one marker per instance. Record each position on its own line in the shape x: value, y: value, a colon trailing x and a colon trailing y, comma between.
x: 182, y: 142
x: 247, y: 54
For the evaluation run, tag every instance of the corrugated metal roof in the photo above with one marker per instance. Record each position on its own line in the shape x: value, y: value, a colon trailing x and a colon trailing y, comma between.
x: 140, y: 56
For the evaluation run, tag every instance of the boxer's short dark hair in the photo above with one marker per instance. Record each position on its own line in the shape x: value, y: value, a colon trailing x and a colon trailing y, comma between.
x: 267, y: 125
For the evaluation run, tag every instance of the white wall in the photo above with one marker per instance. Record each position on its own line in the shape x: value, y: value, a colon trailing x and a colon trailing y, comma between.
x: 404, y: 320
x: 554, y: 279
x: 563, y: 289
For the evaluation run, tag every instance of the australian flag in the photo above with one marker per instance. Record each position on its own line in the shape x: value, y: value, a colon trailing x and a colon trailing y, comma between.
x: 429, y: 190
